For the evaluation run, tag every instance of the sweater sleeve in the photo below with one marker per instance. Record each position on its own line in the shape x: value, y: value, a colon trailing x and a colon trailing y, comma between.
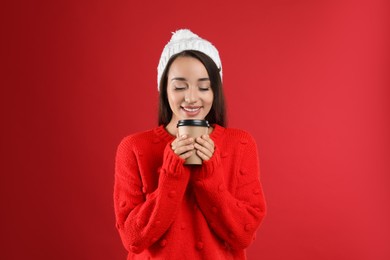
x: 141, y: 221
x: 233, y: 215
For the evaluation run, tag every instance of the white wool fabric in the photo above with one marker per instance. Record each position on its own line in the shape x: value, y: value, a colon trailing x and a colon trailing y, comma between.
x: 182, y: 40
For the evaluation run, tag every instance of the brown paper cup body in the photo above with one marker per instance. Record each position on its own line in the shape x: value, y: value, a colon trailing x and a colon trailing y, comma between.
x: 194, y: 132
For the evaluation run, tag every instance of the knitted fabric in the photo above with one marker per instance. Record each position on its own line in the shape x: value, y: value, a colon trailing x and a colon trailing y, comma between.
x: 166, y: 210
x: 182, y: 40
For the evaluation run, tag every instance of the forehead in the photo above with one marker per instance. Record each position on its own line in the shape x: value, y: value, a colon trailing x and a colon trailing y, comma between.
x: 187, y: 67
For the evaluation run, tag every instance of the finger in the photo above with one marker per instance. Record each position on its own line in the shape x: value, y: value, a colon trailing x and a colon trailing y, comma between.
x: 206, y: 143
x: 205, y: 138
x: 177, y: 139
x: 186, y: 154
x: 208, y: 139
x: 183, y: 149
x: 203, y: 156
x: 183, y: 142
x: 173, y: 144
x: 205, y: 150
x: 178, y: 142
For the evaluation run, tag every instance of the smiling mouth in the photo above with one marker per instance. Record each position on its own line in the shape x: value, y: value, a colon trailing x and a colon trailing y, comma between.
x: 191, y: 109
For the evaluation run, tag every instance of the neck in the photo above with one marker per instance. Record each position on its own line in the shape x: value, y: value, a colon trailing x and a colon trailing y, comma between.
x: 171, y: 127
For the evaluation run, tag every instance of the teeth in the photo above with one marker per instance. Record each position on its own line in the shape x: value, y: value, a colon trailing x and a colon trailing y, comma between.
x: 191, y: 109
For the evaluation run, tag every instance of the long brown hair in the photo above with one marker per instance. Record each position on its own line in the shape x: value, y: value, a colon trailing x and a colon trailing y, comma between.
x: 217, y: 114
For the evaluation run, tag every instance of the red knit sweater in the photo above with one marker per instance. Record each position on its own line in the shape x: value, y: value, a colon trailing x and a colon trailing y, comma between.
x: 166, y: 210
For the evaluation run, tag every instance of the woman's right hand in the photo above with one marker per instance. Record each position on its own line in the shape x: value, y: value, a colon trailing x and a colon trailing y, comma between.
x: 183, y: 146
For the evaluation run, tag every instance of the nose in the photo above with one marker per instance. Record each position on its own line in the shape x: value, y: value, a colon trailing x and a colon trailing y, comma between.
x: 191, y: 95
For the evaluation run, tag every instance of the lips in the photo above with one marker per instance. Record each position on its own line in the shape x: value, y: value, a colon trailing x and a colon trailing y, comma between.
x: 191, y: 111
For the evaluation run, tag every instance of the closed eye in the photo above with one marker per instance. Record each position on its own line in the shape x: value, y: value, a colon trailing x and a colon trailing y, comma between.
x: 179, y: 88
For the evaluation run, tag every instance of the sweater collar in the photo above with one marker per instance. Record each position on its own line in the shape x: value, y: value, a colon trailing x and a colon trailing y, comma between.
x: 217, y: 132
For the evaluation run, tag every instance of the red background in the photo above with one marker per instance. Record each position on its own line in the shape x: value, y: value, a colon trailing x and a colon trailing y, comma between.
x: 309, y: 80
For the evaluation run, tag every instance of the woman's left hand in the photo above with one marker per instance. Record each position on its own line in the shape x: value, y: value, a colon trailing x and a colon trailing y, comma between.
x: 204, y: 147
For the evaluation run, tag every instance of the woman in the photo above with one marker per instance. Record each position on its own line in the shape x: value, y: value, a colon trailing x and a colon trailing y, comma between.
x: 167, y: 210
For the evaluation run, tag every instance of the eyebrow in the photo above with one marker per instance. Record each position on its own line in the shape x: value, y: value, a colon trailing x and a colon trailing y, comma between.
x: 204, y: 79
x: 184, y: 79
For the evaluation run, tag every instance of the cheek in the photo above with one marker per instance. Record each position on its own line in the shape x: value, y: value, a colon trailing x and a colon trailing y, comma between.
x: 173, y: 99
x: 210, y: 99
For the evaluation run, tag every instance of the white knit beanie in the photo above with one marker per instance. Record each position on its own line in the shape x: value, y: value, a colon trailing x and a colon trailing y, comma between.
x: 182, y: 40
